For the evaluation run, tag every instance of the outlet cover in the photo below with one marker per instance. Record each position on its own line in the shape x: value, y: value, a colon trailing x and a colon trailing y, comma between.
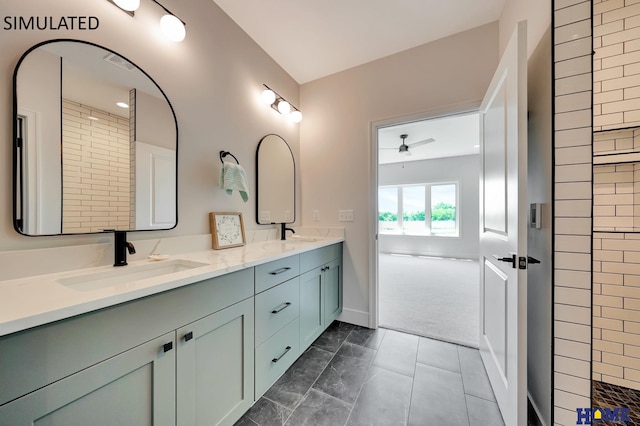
x: 345, y: 215
x: 316, y: 215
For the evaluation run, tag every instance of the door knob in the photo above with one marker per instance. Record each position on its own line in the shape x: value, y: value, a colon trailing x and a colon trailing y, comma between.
x: 511, y: 259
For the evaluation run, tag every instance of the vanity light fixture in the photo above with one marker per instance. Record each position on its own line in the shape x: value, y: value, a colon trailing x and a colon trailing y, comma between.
x: 128, y: 5
x: 280, y: 104
x: 172, y: 27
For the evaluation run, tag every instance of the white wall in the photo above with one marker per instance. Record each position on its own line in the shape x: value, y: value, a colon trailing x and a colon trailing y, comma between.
x: 337, y: 142
x: 40, y: 101
x: 213, y: 80
x: 464, y: 170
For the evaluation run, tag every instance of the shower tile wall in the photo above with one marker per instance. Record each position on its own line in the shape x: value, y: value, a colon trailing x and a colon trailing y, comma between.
x: 96, y: 176
x: 616, y: 193
x: 616, y: 309
x: 572, y: 209
x: 616, y: 65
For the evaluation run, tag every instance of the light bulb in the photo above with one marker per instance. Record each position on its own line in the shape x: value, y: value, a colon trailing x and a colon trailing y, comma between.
x: 172, y: 28
x: 268, y: 96
x: 128, y: 5
x: 284, y: 107
x: 122, y: 104
x: 296, y: 116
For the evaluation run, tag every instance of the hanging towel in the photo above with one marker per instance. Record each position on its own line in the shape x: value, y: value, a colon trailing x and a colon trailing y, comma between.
x: 233, y: 176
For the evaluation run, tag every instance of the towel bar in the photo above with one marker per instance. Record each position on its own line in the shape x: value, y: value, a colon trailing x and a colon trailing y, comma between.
x: 225, y: 153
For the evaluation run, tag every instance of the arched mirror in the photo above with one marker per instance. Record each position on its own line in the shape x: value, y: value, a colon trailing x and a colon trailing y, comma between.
x: 275, y: 181
x: 95, y: 143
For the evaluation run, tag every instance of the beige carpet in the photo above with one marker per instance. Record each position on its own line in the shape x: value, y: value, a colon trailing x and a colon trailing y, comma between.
x: 437, y: 298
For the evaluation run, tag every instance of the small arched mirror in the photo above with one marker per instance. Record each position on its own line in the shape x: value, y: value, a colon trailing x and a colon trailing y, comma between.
x: 275, y: 181
x: 95, y: 143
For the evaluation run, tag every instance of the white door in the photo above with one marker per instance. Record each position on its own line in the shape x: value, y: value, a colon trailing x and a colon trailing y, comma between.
x: 503, y: 232
x: 155, y: 187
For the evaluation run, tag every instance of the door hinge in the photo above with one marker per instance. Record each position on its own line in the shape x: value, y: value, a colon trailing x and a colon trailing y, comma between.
x: 19, y: 143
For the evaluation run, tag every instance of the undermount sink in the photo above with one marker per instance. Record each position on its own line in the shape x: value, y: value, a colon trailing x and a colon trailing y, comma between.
x: 302, y: 239
x: 122, y: 276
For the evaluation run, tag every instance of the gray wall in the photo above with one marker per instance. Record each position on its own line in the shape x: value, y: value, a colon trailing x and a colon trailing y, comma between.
x: 337, y: 134
x: 539, y: 293
x: 465, y: 170
x: 213, y: 79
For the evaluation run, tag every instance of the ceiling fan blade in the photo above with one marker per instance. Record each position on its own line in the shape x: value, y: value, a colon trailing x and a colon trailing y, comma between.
x: 423, y: 142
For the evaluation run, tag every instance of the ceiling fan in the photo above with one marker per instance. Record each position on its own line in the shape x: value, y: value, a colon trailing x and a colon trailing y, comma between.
x: 404, y: 148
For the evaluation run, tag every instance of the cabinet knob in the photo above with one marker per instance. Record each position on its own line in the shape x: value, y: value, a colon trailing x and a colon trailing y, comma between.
x: 188, y: 336
x: 167, y: 347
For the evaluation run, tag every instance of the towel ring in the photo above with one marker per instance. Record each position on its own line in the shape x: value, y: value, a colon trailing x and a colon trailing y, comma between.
x: 224, y: 154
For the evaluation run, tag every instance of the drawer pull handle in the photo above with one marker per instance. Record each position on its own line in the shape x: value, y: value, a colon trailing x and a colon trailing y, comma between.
x: 280, y: 271
x: 167, y: 347
x: 188, y: 336
x: 286, y: 305
x: 287, y: 349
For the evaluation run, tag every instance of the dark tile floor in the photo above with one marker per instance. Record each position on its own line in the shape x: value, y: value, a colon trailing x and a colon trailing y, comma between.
x: 357, y: 376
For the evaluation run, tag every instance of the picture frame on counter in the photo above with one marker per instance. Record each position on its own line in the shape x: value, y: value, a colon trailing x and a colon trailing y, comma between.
x: 227, y: 230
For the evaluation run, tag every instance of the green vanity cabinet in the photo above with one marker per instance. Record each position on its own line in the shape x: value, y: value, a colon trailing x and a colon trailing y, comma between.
x: 215, y: 367
x: 320, y: 291
x: 332, y: 285
x: 311, y: 307
x: 132, y: 364
x: 136, y: 387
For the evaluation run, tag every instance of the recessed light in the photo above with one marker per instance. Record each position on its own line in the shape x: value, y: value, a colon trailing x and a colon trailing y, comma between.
x: 122, y: 105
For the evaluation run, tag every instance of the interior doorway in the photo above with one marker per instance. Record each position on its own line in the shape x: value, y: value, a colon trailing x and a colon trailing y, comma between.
x: 427, y: 227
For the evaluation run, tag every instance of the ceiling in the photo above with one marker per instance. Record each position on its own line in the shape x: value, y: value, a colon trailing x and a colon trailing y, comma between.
x: 313, y: 39
x: 454, y: 135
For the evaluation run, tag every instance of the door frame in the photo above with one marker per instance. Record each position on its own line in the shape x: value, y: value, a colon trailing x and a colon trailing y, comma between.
x: 454, y: 109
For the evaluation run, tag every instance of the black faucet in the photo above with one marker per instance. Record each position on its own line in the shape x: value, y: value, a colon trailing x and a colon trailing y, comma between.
x: 283, y: 231
x: 121, y: 246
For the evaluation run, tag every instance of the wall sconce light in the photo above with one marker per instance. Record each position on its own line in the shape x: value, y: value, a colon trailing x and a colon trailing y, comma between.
x: 172, y: 27
x: 280, y: 104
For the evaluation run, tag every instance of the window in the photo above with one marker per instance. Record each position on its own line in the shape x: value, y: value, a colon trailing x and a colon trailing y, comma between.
x: 422, y: 209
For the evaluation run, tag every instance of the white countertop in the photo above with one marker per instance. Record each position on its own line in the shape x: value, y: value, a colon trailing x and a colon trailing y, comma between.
x: 32, y: 301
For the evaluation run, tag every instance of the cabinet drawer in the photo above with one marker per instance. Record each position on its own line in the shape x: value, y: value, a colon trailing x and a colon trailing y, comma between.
x: 313, y: 259
x: 276, y: 308
x: 275, y: 355
x: 276, y: 272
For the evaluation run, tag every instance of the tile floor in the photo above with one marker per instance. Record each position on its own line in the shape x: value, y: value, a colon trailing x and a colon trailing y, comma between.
x: 357, y: 376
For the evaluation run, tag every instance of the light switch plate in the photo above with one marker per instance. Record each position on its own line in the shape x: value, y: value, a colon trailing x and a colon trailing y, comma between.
x: 345, y: 215
x: 316, y: 215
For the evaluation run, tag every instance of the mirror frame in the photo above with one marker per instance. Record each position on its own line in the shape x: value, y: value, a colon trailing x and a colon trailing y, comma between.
x: 17, y: 180
x: 293, y: 159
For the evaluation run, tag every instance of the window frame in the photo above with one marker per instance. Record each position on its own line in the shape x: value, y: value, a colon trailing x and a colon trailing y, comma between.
x: 427, y: 206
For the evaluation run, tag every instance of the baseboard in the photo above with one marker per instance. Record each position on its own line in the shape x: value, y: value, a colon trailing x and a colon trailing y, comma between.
x: 536, y: 410
x: 356, y: 317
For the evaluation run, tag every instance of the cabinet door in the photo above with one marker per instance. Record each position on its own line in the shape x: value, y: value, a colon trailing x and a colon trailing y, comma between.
x: 215, y: 367
x: 332, y: 282
x: 311, y: 307
x: 136, y: 387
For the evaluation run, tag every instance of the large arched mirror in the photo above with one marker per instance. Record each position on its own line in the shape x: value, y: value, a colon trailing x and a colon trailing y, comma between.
x: 275, y: 181
x: 95, y: 143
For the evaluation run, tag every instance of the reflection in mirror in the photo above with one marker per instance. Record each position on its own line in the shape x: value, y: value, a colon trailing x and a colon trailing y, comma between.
x: 95, y: 143
x: 275, y: 181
